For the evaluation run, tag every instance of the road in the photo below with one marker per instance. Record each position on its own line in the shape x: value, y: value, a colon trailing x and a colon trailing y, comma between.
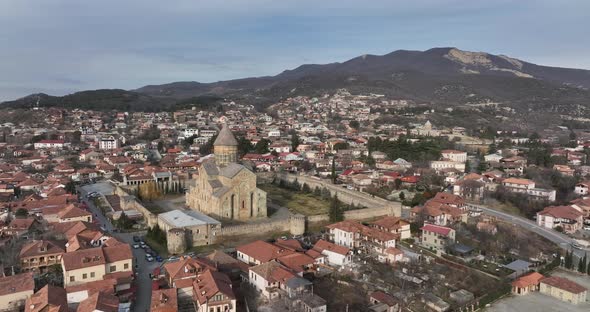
x: 143, y: 283
x: 564, y: 241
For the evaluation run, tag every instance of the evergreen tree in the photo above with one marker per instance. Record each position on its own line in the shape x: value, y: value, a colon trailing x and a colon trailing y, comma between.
x: 583, y: 264
x: 295, y: 142
x: 333, y: 170
x: 336, y: 214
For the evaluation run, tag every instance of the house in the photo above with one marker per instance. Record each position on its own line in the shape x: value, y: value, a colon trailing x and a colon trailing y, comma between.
x: 272, y: 278
x: 564, y: 170
x: 164, y: 300
x: 99, y: 302
x: 40, y: 254
x: 73, y: 213
x: 14, y: 291
x: 20, y: 227
x: 443, y: 209
x: 109, y: 143
x: 494, y: 157
x: 527, y: 283
x: 454, y: 155
x: 310, y: 302
x: 182, y: 273
x: 335, y: 254
x: 582, y: 188
x: 568, y: 218
x: 49, y: 144
x: 383, y: 302
x: 48, y: 298
x: 395, y: 225
x: 87, y: 265
x: 353, y: 234
x: 437, y: 237
x: 563, y: 289
x: 212, y: 291
x: 392, y: 255
x: 259, y: 252
x: 526, y: 186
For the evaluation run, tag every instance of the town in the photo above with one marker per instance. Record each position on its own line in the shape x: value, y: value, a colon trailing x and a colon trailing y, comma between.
x: 335, y: 203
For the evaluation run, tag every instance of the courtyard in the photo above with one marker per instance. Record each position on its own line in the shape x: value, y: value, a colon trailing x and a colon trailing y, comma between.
x: 304, y: 203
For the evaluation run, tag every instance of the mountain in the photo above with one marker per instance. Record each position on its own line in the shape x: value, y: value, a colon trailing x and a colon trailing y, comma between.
x: 440, y: 76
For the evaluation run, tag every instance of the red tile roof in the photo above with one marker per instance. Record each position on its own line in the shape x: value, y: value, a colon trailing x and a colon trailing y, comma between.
x: 441, y: 230
x: 564, y: 283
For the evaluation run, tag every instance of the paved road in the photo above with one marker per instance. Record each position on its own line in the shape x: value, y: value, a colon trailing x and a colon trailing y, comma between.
x: 564, y: 241
x: 143, y: 283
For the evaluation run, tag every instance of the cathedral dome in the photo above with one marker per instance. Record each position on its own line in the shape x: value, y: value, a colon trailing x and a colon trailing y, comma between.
x: 225, y: 137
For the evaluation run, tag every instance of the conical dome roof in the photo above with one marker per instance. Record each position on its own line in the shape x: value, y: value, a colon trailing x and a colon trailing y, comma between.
x: 225, y: 137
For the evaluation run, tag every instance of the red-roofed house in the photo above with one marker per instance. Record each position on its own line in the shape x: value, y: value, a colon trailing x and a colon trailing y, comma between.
x: 563, y: 289
x: 568, y: 218
x: 436, y: 236
x: 527, y: 283
x: 335, y: 255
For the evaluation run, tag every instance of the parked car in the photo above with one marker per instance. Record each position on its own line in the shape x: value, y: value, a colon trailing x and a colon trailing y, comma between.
x: 135, y: 246
x: 587, y: 227
x: 149, y: 258
x: 136, y: 238
x: 159, y: 259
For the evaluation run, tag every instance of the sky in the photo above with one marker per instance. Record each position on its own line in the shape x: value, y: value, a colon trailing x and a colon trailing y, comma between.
x: 62, y: 46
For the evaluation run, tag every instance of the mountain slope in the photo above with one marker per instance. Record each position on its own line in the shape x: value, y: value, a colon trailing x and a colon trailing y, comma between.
x: 439, y: 75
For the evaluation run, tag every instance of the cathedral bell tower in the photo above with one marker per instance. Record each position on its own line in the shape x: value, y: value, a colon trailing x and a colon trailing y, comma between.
x: 225, y: 147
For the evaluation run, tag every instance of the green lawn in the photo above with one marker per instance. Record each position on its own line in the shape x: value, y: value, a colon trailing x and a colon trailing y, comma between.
x: 306, y: 204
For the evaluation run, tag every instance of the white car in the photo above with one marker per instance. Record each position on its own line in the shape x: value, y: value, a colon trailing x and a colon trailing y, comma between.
x: 135, y: 246
x: 149, y: 258
x: 587, y: 227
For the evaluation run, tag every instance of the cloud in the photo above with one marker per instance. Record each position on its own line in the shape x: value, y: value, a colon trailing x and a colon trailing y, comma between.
x: 64, y: 45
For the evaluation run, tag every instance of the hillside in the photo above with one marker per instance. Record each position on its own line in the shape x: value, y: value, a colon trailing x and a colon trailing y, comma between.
x: 446, y: 76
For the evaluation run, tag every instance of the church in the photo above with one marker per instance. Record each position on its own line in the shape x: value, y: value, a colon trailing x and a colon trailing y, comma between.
x: 224, y: 188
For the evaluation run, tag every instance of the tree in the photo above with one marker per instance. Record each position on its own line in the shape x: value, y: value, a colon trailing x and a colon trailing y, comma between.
x: 341, y: 145
x: 71, y: 187
x: 482, y: 166
x: 22, y: 213
x: 397, y: 183
x: 583, y: 264
x: 124, y: 222
x: 262, y: 146
x: 402, y: 196
x: 207, y: 148
x: 244, y: 146
x: 295, y: 141
x: 354, y: 124
x: 336, y: 214
x: 333, y: 171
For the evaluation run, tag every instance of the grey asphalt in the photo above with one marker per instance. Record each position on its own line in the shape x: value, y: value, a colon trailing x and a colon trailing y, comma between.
x: 143, y: 283
x: 563, y: 241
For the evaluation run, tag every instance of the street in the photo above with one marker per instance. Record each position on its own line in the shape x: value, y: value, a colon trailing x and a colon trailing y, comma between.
x: 143, y: 283
x: 564, y: 241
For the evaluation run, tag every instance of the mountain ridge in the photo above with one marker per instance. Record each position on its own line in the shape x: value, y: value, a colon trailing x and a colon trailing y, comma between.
x: 444, y: 75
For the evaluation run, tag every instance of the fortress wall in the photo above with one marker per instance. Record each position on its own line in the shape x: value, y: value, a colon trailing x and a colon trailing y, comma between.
x: 349, y: 196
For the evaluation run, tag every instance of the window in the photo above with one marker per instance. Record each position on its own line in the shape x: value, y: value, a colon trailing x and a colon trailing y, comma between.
x: 72, y: 278
x: 91, y: 274
x: 126, y: 266
x: 113, y: 268
x: 84, y: 276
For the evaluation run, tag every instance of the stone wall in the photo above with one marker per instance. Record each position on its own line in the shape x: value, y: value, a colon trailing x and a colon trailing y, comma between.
x: 130, y: 202
x: 256, y: 228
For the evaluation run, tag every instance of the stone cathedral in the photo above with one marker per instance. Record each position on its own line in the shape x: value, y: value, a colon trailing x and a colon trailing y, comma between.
x: 225, y: 188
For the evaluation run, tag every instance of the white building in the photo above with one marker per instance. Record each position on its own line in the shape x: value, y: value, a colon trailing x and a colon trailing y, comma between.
x: 108, y: 143
x: 454, y: 155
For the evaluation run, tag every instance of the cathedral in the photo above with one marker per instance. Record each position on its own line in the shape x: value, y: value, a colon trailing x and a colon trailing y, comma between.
x: 224, y: 188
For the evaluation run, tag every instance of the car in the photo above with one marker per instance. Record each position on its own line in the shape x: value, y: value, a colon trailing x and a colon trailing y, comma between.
x: 136, y: 239
x: 159, y: 259
x: 577, y: 246
x: 587, y: 227
x: 143, y: 245
x: 149, y: 258
x: 173, y: 258
x: 135, y: 246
